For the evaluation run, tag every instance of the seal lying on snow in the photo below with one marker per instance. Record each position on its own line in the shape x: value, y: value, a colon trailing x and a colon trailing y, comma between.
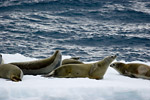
x: 93, y: 70
x: 43, y: 66
x: 132, y: 70
x: 11, y: 72
x: 1, y: 59
x: 74, y: 60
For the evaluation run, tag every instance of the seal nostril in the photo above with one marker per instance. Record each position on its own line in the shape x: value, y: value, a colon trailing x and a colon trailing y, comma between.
x: 111, y: 65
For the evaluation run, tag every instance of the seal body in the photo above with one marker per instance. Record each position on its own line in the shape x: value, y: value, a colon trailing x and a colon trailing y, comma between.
x: 39, y: 67
x: 71, y: 61
x: 93, y: 70
x: 12, y: 72
x: 135, y: 70
x: 1, y: 59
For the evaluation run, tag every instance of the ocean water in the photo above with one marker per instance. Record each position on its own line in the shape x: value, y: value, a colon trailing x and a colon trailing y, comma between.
x: 89, y: 29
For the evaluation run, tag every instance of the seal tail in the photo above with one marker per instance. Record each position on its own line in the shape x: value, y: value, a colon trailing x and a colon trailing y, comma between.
x: 58, y: 59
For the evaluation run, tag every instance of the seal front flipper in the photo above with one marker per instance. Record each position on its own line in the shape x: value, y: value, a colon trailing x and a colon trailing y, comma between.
x: 51, y: 74
x: 0, y: 58
x: 93, y: 68
x: 15, y: 78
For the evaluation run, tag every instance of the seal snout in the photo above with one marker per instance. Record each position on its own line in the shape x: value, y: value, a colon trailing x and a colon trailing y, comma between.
x: 114, y: 56
x: 112, y: 65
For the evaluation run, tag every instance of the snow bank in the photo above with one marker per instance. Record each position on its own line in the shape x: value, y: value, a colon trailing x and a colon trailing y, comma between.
x: 112, y: 87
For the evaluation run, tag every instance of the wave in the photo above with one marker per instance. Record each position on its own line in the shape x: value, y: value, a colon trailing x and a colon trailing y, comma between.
x: 116, y: 10
x: 84, y: 3
x: 108, y: 41
x: 77, y: 27
x: 10, y: 3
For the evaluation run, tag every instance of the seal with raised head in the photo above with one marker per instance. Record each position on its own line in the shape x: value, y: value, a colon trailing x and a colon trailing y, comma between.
x: 12, y: 72
x: 134, y: 70
x: 40, y: 67
x: 74, y: 60
x: 1, y: 59
x: 92, y: 71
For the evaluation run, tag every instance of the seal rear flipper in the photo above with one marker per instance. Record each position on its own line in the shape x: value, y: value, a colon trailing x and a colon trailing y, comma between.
x: 1, y: 59
x: 51, y: 74
x: 57, y: 60
x: 15, y: 78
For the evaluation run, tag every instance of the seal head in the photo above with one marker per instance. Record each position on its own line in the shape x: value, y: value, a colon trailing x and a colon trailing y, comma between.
x: 98, y: 69
x: 12, y: 72
x: 120, y: 67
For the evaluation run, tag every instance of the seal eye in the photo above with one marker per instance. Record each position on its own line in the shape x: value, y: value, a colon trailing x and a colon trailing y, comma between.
x: 113, y: 65
x: 112, y: 56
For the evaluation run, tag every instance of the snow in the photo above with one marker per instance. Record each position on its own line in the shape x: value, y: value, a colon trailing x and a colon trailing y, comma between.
x: 112, y: 87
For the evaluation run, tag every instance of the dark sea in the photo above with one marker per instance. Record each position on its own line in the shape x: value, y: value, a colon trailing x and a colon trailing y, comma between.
x: 89, y: 29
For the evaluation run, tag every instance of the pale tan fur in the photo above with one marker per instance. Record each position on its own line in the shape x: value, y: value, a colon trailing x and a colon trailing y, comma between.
x: 136, y: 70
x: 12, y: 72
x: 93, y: 70
x: 143, y: 70
x: 42, y: 66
